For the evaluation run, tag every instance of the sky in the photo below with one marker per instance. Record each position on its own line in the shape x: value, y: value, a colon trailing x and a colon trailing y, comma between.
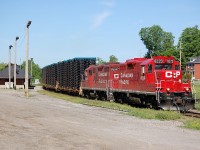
x: 65, y: 29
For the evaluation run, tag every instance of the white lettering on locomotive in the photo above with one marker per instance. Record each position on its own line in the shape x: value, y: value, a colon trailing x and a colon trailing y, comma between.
x: 170, y: 61
x: 169, y: 74
x: 103, y: 74
x: 115, y: 68
x: 102, y: 81
x: 124, y: 81
x: 126, y: 75
x: 158, y: 61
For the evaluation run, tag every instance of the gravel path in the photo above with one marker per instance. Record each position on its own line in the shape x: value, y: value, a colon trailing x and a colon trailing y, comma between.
x: 42, y: 122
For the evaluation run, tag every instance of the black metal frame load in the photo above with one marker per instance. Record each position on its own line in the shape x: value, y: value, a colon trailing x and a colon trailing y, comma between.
x: 44, y: 78
x: 60, y: 74
x: 53, y: 74
x: 66, y: 73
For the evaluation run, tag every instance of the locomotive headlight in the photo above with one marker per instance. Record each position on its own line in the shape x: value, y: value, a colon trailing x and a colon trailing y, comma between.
x: 168, y: 89
x: 187, y: 89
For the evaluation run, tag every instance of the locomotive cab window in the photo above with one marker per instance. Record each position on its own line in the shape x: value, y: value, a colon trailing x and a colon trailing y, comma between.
x: 149, y: 68
x: 163, y: 66
x: 130, y: 66
x: 177, y: 67
x: 90, y: 72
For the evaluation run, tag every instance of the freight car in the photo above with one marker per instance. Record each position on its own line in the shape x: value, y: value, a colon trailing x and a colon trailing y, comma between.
x: 155, y: 82
x: 65, y: 76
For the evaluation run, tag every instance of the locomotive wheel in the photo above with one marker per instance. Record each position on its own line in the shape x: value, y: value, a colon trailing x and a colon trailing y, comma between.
x: 117, y: 98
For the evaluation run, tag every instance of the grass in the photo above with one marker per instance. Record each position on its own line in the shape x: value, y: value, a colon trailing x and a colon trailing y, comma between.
x: 192, y: 123
x: 132, y: 111
x: 197, y: 89
x: 197, y: 106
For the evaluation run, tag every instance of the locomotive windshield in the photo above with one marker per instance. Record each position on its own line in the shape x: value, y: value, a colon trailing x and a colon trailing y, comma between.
x: 163, y: 66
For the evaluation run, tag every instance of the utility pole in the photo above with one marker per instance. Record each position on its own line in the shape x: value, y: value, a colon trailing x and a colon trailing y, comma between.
x: 27, y: 55
x: 9, y: 65
x: 15, y: 66
x: 180, y: 53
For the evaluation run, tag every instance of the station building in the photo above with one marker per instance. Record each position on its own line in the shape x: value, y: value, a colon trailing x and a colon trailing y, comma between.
x: 20, y: 78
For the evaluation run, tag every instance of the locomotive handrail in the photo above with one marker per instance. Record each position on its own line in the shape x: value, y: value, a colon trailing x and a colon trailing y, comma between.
x: 158, y: 88
x: 157, y: 92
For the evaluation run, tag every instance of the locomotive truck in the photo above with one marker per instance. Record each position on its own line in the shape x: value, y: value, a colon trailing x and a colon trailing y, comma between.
x: 154, y: 82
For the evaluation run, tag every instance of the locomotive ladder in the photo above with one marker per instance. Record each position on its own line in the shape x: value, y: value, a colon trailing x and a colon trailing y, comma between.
x: 158, y: 92
x: 158, y: 87
x: 108, y: 90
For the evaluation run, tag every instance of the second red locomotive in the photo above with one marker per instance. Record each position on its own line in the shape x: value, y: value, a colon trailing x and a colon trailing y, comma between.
x: 156, y: 82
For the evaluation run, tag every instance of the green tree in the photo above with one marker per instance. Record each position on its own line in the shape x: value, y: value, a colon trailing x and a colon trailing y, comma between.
x: 113, y: 58
x: 36, y: 70
x: 2, y: 66
x: 156, y: 40
x: 100, y: 61
x: 171, y: 52
x: 190, y: 43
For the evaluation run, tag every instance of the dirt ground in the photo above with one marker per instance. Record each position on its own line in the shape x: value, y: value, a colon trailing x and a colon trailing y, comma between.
x: 42, y: 122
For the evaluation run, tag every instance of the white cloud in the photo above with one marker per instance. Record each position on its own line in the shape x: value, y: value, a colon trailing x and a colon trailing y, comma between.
x: 108, y: 3
x: 100, y: 19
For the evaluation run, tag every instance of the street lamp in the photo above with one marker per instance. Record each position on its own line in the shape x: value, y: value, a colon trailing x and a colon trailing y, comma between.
x: 31, y: 67
x: 15, y: 67
x: 9, y: 64
x: 27, y: 55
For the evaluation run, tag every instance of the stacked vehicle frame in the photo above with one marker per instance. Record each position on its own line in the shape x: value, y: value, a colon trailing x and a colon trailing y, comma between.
x: 66, y: 75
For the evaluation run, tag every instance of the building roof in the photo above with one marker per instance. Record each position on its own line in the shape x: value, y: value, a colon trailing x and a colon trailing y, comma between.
x: 20, y: 74
x: 194, y: 60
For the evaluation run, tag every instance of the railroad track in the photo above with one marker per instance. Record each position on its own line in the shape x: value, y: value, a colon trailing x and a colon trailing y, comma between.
x: 193, y: 113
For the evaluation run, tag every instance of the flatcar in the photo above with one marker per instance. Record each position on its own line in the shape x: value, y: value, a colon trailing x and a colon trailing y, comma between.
x: 155, y: 82
x: 65, y: 76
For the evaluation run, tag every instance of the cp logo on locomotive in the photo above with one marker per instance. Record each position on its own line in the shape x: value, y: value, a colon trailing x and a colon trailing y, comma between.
x: 170, y: 74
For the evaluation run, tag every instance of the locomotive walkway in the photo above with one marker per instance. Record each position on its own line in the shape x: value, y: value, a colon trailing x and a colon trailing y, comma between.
x: 42, y: 122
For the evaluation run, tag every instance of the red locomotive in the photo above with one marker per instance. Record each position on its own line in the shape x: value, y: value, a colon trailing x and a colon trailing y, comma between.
x: 156, y: 82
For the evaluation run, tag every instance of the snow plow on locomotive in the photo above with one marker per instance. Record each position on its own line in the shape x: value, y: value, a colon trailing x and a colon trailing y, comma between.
x: 155, y: 82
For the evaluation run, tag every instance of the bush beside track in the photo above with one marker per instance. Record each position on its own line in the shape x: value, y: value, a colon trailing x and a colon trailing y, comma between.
x: 132, y: 111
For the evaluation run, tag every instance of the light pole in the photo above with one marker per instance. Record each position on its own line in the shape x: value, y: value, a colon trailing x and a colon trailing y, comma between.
x: 9, y: 64
x: 15, y: 67
x: 27, y: 55
x: 31, y: 67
